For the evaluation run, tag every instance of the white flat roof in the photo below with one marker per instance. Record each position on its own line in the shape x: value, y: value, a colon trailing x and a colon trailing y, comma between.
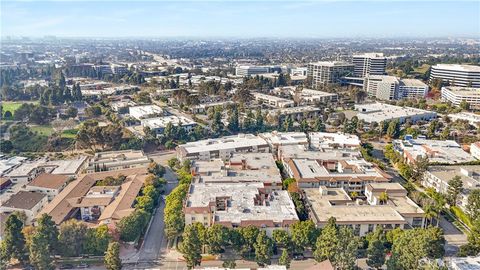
x: 458, y: 67
x: 161, y: 122
x: 228, y: 142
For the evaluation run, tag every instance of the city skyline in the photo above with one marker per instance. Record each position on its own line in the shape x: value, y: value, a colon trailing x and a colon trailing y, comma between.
x: 242, y: 19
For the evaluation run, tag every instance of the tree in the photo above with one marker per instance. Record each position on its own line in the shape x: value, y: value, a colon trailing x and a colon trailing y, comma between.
x: 71, y: 237
x: 383, y: 197
x: 40, y: 256
x: 318, y: 125
x: 327, y: 242
x: 263, y: 249
x: 231, y: 264
x: 393, y: 129
x: 47, y: 229
x: 465, y: 105
x: 217, y: 125
x: 112, y: 257
x: 249, y: 236
x: 233, y: 123
x: 216, y: 238
x: 304, y: 234
x: 472, y: 248
x: 285, y: 259
x: 13, y: 242
x: 455, y: 187
x: 131, y: 226
x: 97, y: 240
x: 259, y: 123
x: 376, y: 254
x: 6, y: 146
x: 156, y: 169
x: 145, y: 203
x: 191, y: 246
x: 473, y: 204
x: 346, y: 249
x: 413, y: 245
x: 419, y: 167
x: 281, y: 238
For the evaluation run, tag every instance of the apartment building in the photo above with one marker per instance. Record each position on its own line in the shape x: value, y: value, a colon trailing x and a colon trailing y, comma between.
x: 240, y: 168
x: 145, y: 111
x: 323, y: 73
x: 48, y: 184
x: 456, y: 95
x: 295, y: 113
x: 117, y: 160
x: 378, y: 112
x: 456, y: 75
x: 324, y: 141
x: 398, y: 211
x: 314, y: 97
x: 437, y: 151
x: 472, y: 118
x: 236, y: 205
x: 69, y: 202
x: 273, y: 101
x: 369, y: 64
x: 475, y: 150
x: 222, y: 148
x: 158, y: 124
x: 27, y: 202
x: 27, y: 171
x: 437, y: 177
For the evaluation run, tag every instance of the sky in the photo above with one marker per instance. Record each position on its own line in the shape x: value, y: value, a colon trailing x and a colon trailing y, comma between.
x: 243, y: 19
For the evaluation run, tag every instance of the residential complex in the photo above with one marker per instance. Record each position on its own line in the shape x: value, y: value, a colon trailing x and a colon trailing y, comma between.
x: 456, y: 75
x: 472, y: 118
x: 240, y: 168
x: 82, y: 197
x: 158, y: 124
x: 437, y: 177
x: 236, y: 205
x: 369, y: 64
x: 378, y: 112
x: 437, y: 151
x: 145, y: 111
x: 222, y: 148
x: 295, y: 113
x: 49, y: 184
x: 456, y: 95
x: 117, y: 160
x: 26, y: 202
x: 273, y: 101
x: 323, y: 73
x: 398, y: 211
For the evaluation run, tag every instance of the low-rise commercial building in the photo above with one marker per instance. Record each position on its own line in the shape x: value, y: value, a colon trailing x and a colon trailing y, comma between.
x: 437, y: 177
x: 27, y: 202
x: 398, y: 211
x: 203, y: 108
x: 239, y: 205
x: 240, y: 168
x: 145, y: 111
x: 222, y: 148
x: 378, y: 112
x: 456, y: 95
x: 314, y: 97
x: 158, y: 124
x: 251, y: 70
x: 332, y: 141
x: 273, y: 101
x: 117, y: 160
x: 437, y: 151
x: 9, y: 163
x: 48, y: 184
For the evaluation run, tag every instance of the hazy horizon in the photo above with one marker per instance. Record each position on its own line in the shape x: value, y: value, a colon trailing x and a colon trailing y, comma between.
x: 241, y: 19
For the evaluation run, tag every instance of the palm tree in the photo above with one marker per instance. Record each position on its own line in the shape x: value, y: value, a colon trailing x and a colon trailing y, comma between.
x: 383, y: 197
x: 431, y: 212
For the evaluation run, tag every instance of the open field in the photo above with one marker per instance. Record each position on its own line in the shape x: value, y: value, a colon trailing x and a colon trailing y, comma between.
x: 422, y: 69
x: 45, y: 130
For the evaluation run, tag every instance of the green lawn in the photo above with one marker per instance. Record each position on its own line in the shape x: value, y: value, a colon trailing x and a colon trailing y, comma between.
x: 422, y: 69
x: 12, y: 106
x: 43, y: 130
x: 69, y: 133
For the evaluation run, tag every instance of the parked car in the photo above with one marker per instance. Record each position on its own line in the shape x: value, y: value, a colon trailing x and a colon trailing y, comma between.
x: 66, y: 266
x: 82, y: 265
x: 298, y: 256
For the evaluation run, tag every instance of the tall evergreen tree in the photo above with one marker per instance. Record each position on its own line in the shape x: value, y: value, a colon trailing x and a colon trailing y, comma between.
x: 13, y: 243
x: 191, y: 246
x: 112, y: 257
x: 263, y: 249
x: 327, y: 242
x: 39, y: 250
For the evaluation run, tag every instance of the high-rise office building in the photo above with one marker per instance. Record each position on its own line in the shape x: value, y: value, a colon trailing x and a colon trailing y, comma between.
x: 323, y: 73
x: 369, y: 64
x: 457, y: 75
